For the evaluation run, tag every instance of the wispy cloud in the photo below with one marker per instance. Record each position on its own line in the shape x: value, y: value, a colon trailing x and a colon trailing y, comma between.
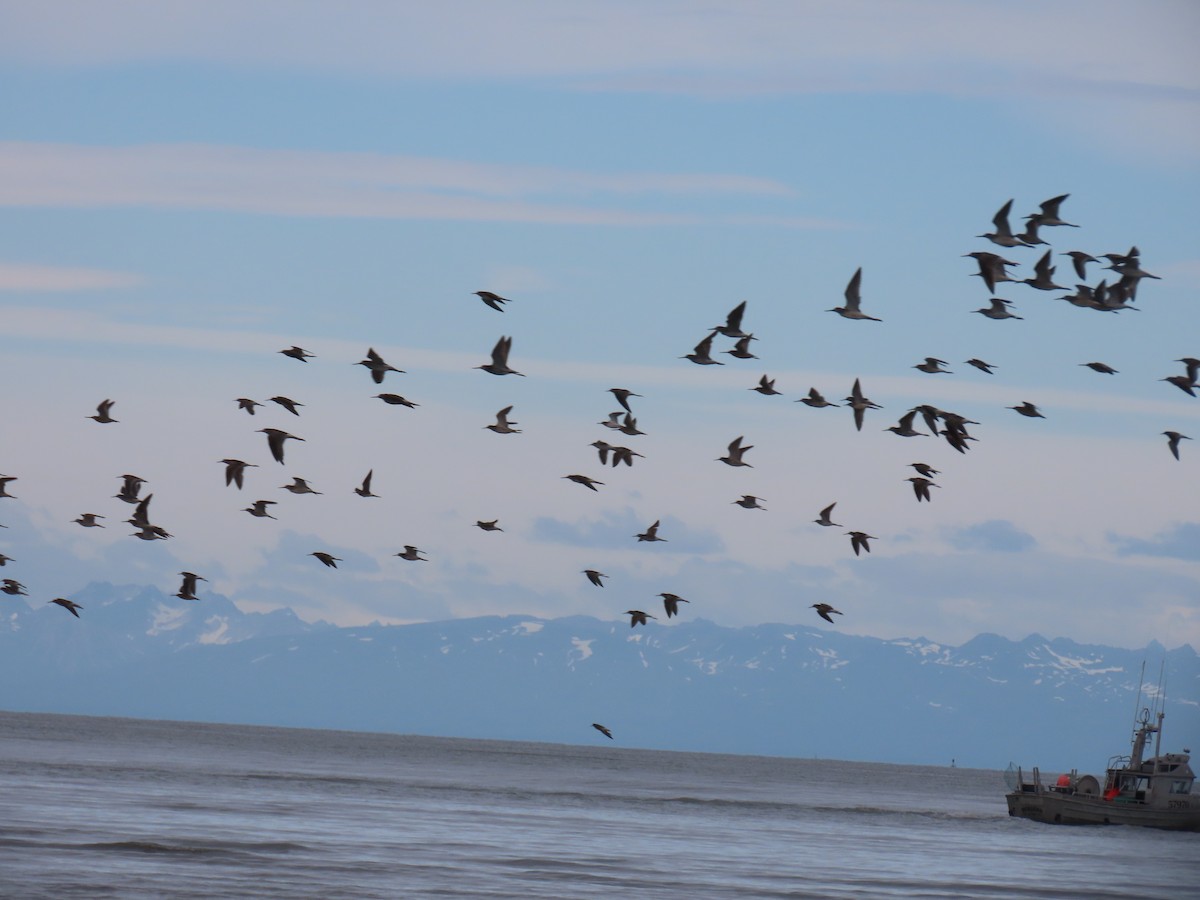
x: 1180, y: 542
x: 367, y: 185
x: 33, y: 278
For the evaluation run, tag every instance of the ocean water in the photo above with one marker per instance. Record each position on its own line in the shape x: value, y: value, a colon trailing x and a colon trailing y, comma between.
x: 96, y: 808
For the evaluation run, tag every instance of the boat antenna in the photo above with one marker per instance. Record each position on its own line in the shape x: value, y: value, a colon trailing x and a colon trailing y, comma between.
x: 1138, y: 701
x: 1161, y: 695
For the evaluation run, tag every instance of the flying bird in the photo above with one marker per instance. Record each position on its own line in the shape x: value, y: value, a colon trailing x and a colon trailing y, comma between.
x: 327, y: 558
x: 5, y: 559
x: 1049, y: 212
x: 637, y: 617
x: 5, y: 481
x: 275, y: 439
x: 377, y: 366
x: 69, y: 605
x: 981, y: 365
x: 823, y: 518
x: 735, y: 454
x: 298, y: 353
x: 766, y: 386
x: 925, y: 469
x: 1003, y: 235
x: 187, y: 590
x: 904, y: 427
x: 933, y: 366
x: 364, y: 489
x: 503, y: 425
x: 702, y: 354
x: 489, y: 526
x: 589, y: 483
x: 623, y: 395
x: 1027, y: 409
x: 1183, y: 382
x: 998, y: 310
x: 671, y: 604
x: 247, y: 404
x: 14, y: 588
x: 235, y: 471
x: 499, y: 364
x: 733, y: 323
x: 259, y: 509
x: 287, y: 403
x: 594, y: 577
x: 858, y: 541
x: 650, y: 534
x: 102, y: 415
x: 992, y: 268
x: 1043, y: 272
x: 88, y: 520
x: 921, y: 487
x: 749, y: 501
x: 1173, y: 439
x: 495, y: 301
x: 824, y: 609
x: 1080, y: 260
x: 604, y: 731
x: 815, y: 400
x: 298, y: 486
x: 860, y: 404
x: 412, y: 554
x: 1102, y: 368
x: 741, y: 350
x: 852, y: 309
x: 396, y: 400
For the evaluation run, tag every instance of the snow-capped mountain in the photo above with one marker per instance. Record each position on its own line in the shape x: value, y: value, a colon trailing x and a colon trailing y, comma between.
x: 794, y: 690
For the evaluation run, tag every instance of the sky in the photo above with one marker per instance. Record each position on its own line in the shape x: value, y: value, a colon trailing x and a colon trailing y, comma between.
x: 186, y: 189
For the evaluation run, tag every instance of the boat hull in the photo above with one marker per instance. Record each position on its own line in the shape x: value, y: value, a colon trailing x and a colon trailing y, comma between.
x: 1073, y: 809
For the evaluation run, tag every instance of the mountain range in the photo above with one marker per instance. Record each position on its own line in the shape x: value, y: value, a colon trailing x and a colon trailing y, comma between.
x: 690, y: 684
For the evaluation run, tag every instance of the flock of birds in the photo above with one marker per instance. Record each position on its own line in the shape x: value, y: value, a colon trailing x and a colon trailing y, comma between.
x: 1113, y: 294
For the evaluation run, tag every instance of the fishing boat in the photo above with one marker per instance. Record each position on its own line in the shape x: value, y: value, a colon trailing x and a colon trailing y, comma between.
x: 1154, y: 793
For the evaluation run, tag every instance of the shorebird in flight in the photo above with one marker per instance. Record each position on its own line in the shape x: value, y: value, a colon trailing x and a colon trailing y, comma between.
x: 735, y: 454
x: 102, y: 415
x: 503, y: 425
x: 14, y: 588
x: 1184, y: 382
x: 815, y: 400
x: 629, y: 426
x: 1027, y: 409
x: 364, y: 489
x: 495, y: 301
x: 671, y: 604
x: 824, y: 609
x: 130, y: 488
x: 823, y: 518
x: 650, y: 534
x: 587, y: 482
x: 613, y: 420
x: 749, y: 501
x: 499, y: 364
x: 594, y: 577
x: 852, y: 309
x: 981, y: 365
x: 259, y: 509
x: 287, y: 403
x: 925, y: 469
x: 904, y: 427
x: 298, y: 486
x: 1049, y: 212
x: 604, y: 731
x: 933, y: 366
x: 69, y: 605
x: 376, y: 364
x: 637, y: 617
x: 1102, y: 368
x: 741, y: 350
x: 921, y: 487
x: 247, y: 404
x: 860, y: 404
x: 702, y: 354
x: 733, y: 323
x: 275, y: 439
x: 298, y: 353
x: 412, y: 554
x: 88, y: 520
x: 1043, y: 278
x: 766, y: 386
x: 327, y: 558
x: 235, y: 471
x: 1173, y: 439
x: 5, y: 559
x: 489, y: 526
x: 187, y: 590
x: 396, y: 400
x: 1003, y: 235
x: 623, y: 395
x: 1080, y: 260
x: 998, y: 309
x: 991, y: 268
x: 859, y: 539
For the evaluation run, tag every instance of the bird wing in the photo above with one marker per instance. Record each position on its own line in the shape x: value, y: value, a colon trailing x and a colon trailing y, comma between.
x: 853, y: 297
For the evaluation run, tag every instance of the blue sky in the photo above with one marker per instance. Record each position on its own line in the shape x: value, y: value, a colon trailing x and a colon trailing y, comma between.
x: 187, y: 188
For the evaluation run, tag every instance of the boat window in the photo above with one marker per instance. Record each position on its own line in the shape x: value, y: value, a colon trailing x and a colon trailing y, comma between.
x: 1181, y: 786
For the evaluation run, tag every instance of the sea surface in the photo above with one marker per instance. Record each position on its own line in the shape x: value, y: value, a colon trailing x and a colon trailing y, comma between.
x: 105, y: 807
